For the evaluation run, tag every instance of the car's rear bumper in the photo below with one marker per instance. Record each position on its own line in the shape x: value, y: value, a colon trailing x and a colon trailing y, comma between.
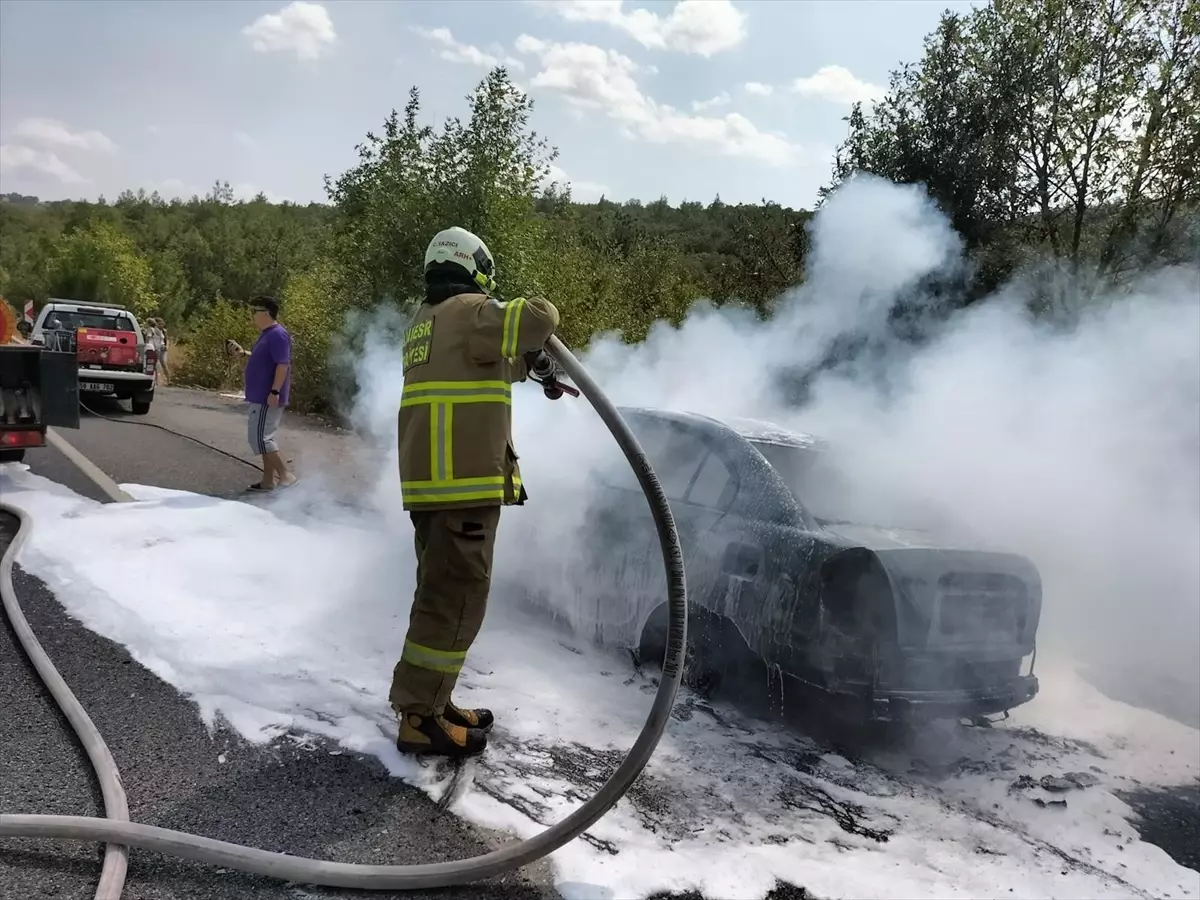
x: 879, y: 703
x: 125, y: 376
x: 124, y: 383
x: 891, y: 704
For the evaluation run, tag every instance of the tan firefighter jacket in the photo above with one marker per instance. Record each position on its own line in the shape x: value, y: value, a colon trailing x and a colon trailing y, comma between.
x: 461, y: 357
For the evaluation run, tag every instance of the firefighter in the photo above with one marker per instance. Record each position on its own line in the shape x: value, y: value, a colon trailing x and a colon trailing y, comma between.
x: 463, y: 350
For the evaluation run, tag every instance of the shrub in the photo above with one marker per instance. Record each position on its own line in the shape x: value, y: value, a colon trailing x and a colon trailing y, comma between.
x: 309, y: 311
x: 208, y: 364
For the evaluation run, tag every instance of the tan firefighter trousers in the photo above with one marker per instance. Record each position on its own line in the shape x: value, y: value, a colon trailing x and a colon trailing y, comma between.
x: 454, y: 573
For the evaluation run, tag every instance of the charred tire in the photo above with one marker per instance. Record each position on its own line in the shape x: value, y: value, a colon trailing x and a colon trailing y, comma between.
x: 7, y: 456
x: 717, y: 657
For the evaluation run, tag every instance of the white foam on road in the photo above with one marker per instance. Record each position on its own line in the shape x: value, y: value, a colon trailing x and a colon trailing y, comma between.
x: 292, y: 626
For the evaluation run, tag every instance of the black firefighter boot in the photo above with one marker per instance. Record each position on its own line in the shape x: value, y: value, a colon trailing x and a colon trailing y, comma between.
x: 469, y: 718
x: 434, y: 736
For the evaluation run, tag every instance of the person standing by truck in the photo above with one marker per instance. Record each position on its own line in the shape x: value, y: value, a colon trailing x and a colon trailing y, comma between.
x: 160, y: 347
x: 268, y: 380
x: 154, y: 339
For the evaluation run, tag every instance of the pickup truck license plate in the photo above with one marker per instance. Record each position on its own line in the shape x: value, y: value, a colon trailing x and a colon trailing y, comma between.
x: 100, y: 387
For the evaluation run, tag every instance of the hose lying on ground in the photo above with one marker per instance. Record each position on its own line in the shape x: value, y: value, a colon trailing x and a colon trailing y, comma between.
x: 186, y: 437
x: 112, y: 872
x: 432, y: 875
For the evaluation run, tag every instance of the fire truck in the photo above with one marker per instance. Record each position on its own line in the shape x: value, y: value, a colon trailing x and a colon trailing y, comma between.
x: 39, y: 388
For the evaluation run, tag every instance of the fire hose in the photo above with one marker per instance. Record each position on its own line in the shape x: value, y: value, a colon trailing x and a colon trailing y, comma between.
x: 118, y: 833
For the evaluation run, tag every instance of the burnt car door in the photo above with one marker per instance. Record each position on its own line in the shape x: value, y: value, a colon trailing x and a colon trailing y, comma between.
x: 778, y: 612
x: 625, y: 558
x: 704, y: 501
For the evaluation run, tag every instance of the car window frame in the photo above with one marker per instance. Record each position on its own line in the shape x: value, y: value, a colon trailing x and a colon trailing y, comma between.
x: 680, y: 434
x: 654, y: 435
x: 732, y: 483
x: 809, y: 518
x: 59, y: 310
x: 645, y: 430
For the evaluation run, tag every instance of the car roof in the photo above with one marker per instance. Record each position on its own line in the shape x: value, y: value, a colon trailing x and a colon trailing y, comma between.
x: 756, y: 430
x: 764, y: 432
x: 84, y: 304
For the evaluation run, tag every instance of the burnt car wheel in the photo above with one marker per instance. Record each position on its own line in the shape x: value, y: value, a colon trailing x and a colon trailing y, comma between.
x: 716, y: 657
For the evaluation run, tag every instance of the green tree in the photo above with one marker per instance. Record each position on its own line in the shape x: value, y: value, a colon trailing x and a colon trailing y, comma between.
x: 412, y: 181
x: 309, y: 309
x: 1065, y: 126
x: 1158, y: 170
x: 208, y: 363
x: 766, y: 255
x: 950, y: 123
x: 101, y: 264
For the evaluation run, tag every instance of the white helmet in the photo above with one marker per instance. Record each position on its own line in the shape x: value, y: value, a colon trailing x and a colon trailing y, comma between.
x: 459, y: 248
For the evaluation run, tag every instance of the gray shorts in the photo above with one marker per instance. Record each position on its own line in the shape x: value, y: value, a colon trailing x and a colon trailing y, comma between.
x: 261, y: 426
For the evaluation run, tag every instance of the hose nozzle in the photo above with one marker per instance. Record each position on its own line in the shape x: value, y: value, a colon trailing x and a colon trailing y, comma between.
x: 542, y: 365
x: 545, y: 371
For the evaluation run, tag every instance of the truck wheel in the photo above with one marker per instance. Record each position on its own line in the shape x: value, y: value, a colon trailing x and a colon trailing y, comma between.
x: 140, y: 406
x: 7, y: 456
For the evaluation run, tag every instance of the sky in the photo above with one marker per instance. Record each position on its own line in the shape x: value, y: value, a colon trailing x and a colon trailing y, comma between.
x: 686, y: 100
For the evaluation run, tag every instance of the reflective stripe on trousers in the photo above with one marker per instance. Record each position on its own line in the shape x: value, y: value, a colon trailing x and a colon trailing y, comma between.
x: 448, y: 662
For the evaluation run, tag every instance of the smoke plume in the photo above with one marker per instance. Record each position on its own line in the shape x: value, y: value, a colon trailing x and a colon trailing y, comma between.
x: 1074, y: 444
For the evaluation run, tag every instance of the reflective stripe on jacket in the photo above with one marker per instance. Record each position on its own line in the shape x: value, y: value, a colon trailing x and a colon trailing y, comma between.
x: 461, y: 357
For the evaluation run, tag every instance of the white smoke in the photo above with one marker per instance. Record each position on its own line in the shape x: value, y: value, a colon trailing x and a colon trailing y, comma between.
x: 1077, y: 447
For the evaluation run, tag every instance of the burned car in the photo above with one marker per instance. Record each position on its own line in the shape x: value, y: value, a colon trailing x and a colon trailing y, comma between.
x: 875, y: 623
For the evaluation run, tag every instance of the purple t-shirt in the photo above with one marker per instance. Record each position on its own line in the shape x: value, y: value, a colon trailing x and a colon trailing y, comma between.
x: 274, y: 346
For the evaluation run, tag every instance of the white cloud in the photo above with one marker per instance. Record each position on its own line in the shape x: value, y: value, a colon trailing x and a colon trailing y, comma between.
x: 457, y: 52
x: 14, y: 157
x: 581, y: 191
x: 39, y: 141
x: 244, y: 140
x: 52, y: 133
x: 594, y: 78
x: 722, y: 99
x: 838, y: 85
x: 758, y: 88
x: 174, y: 189
x: 245, y: 191
x: 301, y: 28
x: 703, y: 27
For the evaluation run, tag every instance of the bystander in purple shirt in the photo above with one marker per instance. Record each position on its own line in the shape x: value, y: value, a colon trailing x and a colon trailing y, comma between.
x: 274, y: 346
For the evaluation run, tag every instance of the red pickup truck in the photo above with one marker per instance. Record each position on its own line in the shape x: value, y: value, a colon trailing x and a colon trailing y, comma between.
x: 114, y: 357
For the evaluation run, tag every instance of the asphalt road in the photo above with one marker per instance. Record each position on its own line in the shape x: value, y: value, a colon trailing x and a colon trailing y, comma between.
x: 176, y: 775
x: 135, y: 449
